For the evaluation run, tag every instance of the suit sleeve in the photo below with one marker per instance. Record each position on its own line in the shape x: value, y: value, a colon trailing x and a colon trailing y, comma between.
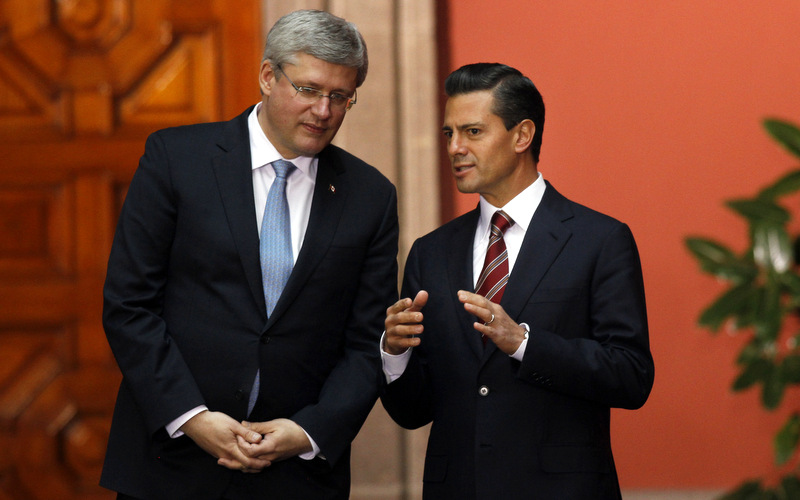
x: 610, y: 364
x: 409, y: 400
x: 351, y: 389
x: 151, y: 364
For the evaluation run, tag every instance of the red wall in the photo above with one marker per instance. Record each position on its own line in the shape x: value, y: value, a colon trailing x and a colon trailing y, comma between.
x: 654, y: 116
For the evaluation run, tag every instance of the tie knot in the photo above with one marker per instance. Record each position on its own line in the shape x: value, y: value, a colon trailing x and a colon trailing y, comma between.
x: 501, y: 221
x: 282, y: 168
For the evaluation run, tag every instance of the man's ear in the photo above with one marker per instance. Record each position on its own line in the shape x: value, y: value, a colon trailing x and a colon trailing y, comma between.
x: 266, y: 77
x: 524, y: 136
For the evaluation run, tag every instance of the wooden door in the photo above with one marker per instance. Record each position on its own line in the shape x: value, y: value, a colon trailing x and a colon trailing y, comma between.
x: 82, y: 82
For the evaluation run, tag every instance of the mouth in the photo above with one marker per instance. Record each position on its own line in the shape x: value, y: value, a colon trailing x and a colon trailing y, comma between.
x: 314, y: 129
x: 462, y: 167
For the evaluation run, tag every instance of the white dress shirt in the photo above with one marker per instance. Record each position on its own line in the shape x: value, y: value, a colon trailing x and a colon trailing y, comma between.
x: 521, y: 209
x: 299, y: 192
x: 299, y: 185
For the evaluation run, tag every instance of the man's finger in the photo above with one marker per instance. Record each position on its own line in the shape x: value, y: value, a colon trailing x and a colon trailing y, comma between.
x: 472, y: 298
x: 237, y: 465
x: 248, y: 433
x: 419, y: 301
x: 399, y: 306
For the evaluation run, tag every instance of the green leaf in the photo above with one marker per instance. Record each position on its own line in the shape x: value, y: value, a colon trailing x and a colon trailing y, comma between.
x: 757, y: 371
x: 705, y: 249
x: 786, y: 440
x: 773, y: 389
x: 793, y: 342
x: 745, y: 491
x: 789, y: 488
x: 751, y: 313
x: 758, y: 210
x: 791, y: 282
x: 751, y: 352
x: 790, y: 369
x: 720, y: 261
x: 789, y: 183
x: 768, y: 317
x: 772, y: 247
x: 785, y: 133
x: 730, y: 304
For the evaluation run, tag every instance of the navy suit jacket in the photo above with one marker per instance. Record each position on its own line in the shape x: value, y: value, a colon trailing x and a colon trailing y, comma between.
x: 185, y: 315
x: 538, y: 429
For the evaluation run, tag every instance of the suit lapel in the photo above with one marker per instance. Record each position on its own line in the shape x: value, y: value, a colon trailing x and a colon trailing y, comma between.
x: 330, y: 194
x: 233, y: 171
x: 543, y: 242
x: 459, y: 274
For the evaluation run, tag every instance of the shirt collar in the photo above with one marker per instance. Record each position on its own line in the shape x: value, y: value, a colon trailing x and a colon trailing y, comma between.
x: 262, y: 152
x: 521, y: 208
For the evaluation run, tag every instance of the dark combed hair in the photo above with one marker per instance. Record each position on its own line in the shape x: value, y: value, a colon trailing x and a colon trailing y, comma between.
x: 516, y: 98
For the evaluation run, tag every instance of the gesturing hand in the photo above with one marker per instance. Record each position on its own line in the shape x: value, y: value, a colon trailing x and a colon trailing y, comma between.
x: 493, y: 322
x: 402, y: 323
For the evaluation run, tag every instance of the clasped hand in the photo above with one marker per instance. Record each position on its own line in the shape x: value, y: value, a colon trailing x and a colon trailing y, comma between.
x: 246, y: 446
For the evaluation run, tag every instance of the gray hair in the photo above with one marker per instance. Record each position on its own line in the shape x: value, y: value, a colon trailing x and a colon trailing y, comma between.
x: 318, y: 34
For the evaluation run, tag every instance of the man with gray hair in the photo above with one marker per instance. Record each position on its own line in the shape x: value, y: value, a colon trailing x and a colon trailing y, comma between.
x: 251, y: 268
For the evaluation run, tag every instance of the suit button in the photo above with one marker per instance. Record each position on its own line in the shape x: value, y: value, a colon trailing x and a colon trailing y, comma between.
x: 239, y: 395
x: 265, y: 339
x: 483, y: 391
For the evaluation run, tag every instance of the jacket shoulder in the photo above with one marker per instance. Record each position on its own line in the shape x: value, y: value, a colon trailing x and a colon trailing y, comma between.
x: 449, y: 230
x: 206, y: 133
x: 577, y: 215
x: 354, y: 167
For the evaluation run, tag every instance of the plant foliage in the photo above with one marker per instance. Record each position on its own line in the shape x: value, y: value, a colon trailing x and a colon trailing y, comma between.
x: 763, y: 294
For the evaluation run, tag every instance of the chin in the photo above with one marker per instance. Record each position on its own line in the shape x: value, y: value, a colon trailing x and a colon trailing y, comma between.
x: 308, y: 150
x: 312, y: 147
x: 465, y: 188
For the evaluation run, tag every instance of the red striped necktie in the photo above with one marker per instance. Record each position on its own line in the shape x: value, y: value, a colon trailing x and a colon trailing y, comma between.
x: 493, y: 278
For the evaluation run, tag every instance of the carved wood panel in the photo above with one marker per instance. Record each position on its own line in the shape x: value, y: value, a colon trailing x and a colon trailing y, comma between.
x: 82, y: 82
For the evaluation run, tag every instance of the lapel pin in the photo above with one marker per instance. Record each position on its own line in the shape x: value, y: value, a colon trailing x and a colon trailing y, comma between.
x: 331, y: 188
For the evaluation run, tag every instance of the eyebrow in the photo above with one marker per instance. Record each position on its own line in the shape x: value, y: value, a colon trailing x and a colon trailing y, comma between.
x: 315, y: 86
x: 463, y: 127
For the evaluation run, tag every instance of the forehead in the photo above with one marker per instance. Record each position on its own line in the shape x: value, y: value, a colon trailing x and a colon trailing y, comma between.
x: 315, y: 72
x: 470, y: 108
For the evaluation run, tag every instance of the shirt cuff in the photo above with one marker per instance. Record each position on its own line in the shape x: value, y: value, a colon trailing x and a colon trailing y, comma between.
x: 393, y: 364
x: 173, y: 428
x: 520, y: 352
x: 314, y: 452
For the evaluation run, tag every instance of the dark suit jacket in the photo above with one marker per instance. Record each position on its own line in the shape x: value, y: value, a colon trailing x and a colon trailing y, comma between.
x: 537, y: 429
x: 185, y: 315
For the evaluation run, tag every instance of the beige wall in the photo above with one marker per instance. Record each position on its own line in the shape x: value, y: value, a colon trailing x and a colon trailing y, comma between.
x: 394, y: 127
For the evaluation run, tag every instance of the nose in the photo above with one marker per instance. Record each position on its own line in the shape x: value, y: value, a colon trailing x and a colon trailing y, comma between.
x: 322, y: 108
x: 455, y: 146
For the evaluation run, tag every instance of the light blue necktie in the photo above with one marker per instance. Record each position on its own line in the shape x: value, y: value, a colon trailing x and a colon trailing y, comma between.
x: 275, y: 248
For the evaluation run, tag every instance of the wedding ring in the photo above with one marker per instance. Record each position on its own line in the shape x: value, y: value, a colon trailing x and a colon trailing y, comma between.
x: 490, y: 321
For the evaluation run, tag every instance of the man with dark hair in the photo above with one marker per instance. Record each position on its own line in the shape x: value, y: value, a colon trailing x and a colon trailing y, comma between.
x: 515, y: 96
x: 528, y: 319
x: 249, y: 275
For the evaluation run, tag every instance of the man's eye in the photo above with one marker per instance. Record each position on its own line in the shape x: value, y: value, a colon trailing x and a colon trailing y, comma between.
x: 473, y: 131
x: 338, y: 98
x: 308, y: 91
